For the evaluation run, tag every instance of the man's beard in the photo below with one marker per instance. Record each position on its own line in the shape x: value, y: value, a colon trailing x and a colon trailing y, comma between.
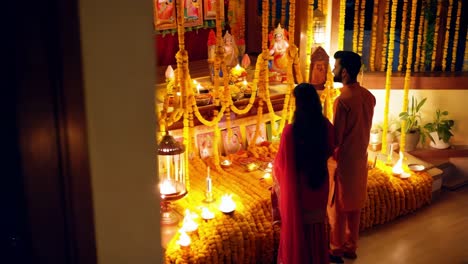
x: 337, y: 78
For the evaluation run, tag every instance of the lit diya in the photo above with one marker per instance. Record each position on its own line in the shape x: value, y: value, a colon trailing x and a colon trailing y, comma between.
x: 227, y: 204
x: 226, y: 163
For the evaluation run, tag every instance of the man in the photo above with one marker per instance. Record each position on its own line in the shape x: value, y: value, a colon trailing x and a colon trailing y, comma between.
x: 353, y: 112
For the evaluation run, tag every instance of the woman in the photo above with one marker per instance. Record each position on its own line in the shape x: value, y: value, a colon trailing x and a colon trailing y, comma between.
x: 300, y: 169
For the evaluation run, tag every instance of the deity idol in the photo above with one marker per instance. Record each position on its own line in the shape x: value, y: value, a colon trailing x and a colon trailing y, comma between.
x: 231, y: 52
x: 278, y: 50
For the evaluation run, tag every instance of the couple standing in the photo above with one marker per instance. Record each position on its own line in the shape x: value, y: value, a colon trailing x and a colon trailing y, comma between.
x: 306, y: 192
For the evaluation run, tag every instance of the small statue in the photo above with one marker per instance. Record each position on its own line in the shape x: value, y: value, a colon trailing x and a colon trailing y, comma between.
x: 278, y: 49
x: 318, y: 67
x: 231, y: 52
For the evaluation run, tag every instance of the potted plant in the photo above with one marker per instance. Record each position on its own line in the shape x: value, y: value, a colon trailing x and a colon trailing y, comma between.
x: 413, y: 118
x: 439, y: 131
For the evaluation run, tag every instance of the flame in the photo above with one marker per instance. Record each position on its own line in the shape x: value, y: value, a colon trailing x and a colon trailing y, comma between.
x: 169, y: 73
x: 245, y: 83
x: 166, y: 187
x: 198, y: 87
x: 267, y: 175
x: 227, y: 204
x: 184, y: 239
x: 207, y: 214
x: 398, y: 168
x: 188, y: 224
x: 226, y: 162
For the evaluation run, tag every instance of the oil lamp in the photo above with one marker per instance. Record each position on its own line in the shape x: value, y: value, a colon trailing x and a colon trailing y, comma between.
x: 171, y: 176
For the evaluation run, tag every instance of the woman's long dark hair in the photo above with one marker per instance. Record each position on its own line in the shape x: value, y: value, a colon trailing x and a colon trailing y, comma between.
x: 310, y: 136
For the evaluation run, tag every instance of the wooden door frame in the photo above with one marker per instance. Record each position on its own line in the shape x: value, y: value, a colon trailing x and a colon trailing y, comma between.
x: 52, y: 139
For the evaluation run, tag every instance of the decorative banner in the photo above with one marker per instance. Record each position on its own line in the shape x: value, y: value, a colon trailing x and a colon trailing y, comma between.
x: 164, y: 14
x: 193, y: 13
x: 210, y: 9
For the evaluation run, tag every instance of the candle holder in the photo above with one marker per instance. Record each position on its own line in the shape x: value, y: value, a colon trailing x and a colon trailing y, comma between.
x: 209, y: 188
x: 171, y: 157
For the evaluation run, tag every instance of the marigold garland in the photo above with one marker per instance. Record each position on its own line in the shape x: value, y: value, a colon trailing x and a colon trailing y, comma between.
x: 455, y: 38
x: 362, y: 17
x: 388, y: 82
x: 447, y: 35
x: 419, y: 47
x: 356, y: 26
x: 310, y: 36
x: 385, y: 43
x: 375, y: 14
x: 436, y: 34
x: 409, y: 61
x: 403, y: 36
x: 341, y: 25
x: 422, y: 64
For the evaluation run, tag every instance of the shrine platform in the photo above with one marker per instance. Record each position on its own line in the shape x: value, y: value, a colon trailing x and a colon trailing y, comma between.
x: 247, y: 235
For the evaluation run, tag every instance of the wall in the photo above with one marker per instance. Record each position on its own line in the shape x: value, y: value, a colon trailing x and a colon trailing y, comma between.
x: 118, y: 61
x: 454, y: 101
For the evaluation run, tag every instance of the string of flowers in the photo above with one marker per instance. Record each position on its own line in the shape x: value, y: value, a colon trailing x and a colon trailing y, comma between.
x: 403, y: 35
x: 219, y: 56
x: 241, y: 18
x: 217, y: 138
x: 419, y: 46
x: 447, y: 35
x: 273, y: 13
x: 436, y: 34
x: 385, y: 38
x: 293, y: 59
x: 388, y: 82
x: 283, y: 12
x: 292, y: 20
x: 342, y: 24
x: 356, y: 25
x: 375, y: 15
x: 330, y: 100
x: 310, y: 36
x: 409, y: 61
x: 361, y: 25
x: 465, y: 62
x: 455, y: 38
x: 422, y: 65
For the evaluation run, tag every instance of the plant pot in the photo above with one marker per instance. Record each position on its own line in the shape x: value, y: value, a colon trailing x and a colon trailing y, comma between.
x: 412, y: 140
x: 437, y: 142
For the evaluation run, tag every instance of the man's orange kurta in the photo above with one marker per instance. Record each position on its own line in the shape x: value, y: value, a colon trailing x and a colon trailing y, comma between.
x: 354, y: 110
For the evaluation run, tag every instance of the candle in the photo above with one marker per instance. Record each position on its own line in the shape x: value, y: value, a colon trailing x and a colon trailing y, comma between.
x: 199, y: 88
x: 207, y: 214
x: 208, y: 181
x: 166, y: 187
x: 188, y: 224
x: 184, y: 239
x: 227, y: 204
x: 169, y: 73
x: 375, y: 161
x: 398, y: 168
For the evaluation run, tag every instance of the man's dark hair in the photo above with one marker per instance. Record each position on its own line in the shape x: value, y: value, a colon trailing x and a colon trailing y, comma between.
x: 350, y: 61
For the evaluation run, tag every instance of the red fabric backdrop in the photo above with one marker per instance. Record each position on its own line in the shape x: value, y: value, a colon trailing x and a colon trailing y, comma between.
x: 195, y: 44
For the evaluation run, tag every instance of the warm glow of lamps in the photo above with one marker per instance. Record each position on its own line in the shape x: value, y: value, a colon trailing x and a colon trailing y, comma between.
x: 184, y: 239
x: 169, y: 73
x: 319, y: 27
x: 188, y: 224
x: 166, y: 187
x: 207, y: 214
x: 398, y: 168
x: 227, y: 204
